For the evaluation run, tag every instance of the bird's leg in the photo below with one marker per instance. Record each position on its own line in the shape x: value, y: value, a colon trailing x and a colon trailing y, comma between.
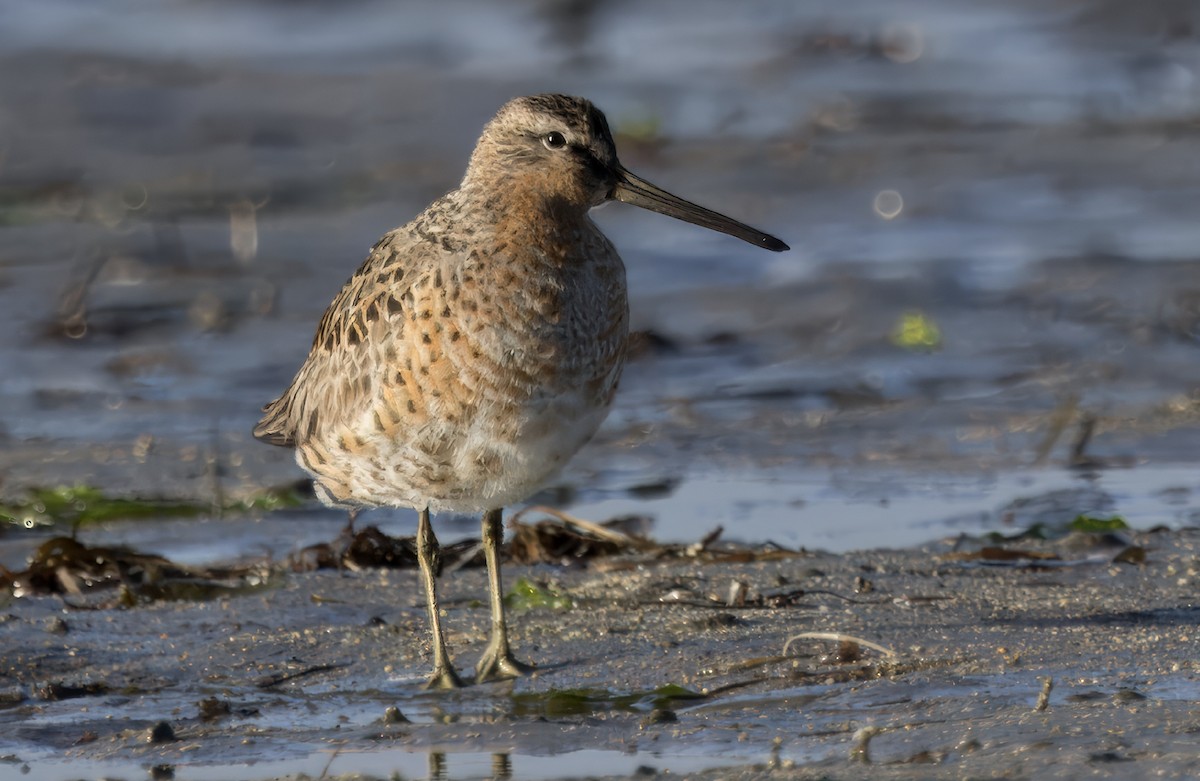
x: 351, y: 516
x: 444, y: 676
x: 497, y: 661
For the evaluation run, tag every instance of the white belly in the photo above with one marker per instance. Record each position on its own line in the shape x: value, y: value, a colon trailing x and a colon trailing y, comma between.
x: 490, y: 463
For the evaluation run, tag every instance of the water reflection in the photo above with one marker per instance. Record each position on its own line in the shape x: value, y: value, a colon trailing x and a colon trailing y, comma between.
x: 443, y: 768
x: 437, y: 767
x: 440, y: 769
x: 501, y: 767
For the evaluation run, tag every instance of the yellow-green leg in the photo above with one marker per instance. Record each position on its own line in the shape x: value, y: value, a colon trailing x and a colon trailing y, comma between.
x: 497, y: 661
x: 444, y: 676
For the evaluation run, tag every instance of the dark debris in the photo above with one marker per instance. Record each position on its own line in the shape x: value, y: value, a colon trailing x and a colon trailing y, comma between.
x: 65, y: 566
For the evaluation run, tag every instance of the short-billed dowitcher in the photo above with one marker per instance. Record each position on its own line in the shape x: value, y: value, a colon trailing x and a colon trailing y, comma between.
x: 478, y: 347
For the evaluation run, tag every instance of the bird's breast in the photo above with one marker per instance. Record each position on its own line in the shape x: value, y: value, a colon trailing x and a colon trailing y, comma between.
x: 503, y: 367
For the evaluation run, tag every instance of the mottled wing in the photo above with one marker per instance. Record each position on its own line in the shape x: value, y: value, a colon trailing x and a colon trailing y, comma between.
x: 338, y: 379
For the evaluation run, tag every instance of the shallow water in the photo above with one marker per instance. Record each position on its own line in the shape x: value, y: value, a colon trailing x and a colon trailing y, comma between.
x: 436, y: 766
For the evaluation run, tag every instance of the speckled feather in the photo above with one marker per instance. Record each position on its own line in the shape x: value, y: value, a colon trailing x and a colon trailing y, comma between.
x: 478, y: 347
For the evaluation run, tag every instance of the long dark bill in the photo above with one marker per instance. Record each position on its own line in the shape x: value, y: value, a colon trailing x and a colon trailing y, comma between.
x: 637, y: 191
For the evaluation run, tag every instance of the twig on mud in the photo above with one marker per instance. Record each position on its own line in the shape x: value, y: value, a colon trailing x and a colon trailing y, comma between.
x: 696, y: 548
x: 758, y: 661
x: 1079, y: 457
x: 275, y: 680
x: 710, y: 693
x: 584, y: 526
x: 844, y: 598
x: 1059, y: 419
x: 837, y: 637
x: 771, y: 601
x: 860, y: 748
x: 713, y: 605
x: 1043, y: 700
x: 333, y: 756
x: 464, y: 559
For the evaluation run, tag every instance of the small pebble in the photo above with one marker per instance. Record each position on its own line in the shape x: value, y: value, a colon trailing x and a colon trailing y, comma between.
x: 1124, y: 696
x: 393, y: 716
x: 660, y: 716
x: 162, y: 732
x: 212, y: 708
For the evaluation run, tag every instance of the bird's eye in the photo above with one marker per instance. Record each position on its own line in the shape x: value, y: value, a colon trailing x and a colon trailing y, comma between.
x: 554, y: 140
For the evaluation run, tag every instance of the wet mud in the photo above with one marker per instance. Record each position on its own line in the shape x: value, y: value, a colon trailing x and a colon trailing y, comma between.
x: 980, y: 658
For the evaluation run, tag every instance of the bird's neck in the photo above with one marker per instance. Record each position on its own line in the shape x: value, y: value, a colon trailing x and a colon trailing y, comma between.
x: 522, y: 211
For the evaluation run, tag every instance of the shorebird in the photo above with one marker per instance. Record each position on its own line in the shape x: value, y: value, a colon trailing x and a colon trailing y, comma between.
x: 479, y: 346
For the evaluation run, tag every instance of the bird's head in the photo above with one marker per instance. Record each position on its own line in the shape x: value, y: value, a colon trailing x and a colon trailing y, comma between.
x: 557, y: 148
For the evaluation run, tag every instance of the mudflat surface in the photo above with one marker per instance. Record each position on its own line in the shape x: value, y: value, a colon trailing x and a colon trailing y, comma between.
x: 641, y: 662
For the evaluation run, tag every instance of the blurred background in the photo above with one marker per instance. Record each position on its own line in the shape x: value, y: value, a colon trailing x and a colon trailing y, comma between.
x: 989, y: 317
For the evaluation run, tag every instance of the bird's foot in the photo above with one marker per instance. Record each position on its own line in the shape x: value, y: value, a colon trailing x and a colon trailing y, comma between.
x: 444, y: 677
x: 498, y: 664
